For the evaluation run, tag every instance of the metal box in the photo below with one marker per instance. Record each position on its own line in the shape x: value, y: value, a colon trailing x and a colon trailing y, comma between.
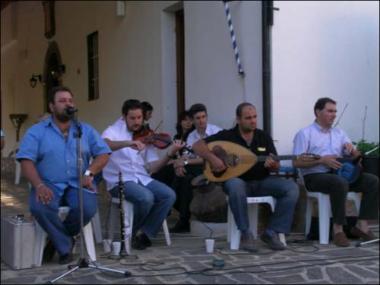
x: 18, y: 241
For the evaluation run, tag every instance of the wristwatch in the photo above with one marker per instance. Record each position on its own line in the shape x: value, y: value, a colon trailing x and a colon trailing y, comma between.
x: 88, y: 173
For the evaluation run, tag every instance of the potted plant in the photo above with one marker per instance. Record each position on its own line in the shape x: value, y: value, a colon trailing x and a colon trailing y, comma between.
x: 371, y: 154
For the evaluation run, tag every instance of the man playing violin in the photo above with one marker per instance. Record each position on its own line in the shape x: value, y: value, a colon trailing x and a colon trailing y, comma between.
x: 151, y: 199
x: 330, y: 143
x: 256, y: 181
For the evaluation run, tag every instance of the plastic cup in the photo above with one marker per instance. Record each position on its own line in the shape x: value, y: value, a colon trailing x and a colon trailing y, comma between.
x: 107, y: 245
x: 210, y: 245
x: 116, y: 245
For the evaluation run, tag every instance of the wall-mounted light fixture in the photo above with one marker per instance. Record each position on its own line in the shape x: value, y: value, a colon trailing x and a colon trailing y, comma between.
x: 34, y: 79
x: 17, y: 121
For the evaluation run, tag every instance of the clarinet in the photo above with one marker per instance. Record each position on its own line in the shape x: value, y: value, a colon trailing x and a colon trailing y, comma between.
x: 122, y: 214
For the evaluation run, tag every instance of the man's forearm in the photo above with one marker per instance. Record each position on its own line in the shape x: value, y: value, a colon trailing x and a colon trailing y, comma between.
x: 201, y: 149
x: 29, y: 171
x: 98, y: 163
x: 116, y: 145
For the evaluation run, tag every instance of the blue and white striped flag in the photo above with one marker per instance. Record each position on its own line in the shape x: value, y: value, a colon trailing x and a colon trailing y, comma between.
x: 233, y: 38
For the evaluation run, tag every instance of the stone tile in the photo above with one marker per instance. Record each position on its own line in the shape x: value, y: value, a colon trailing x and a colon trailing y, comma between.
x: 295, y: 265
x: 341, y: 276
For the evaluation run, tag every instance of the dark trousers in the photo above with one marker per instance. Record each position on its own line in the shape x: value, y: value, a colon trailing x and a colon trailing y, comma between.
x: 184, y: 191
x: 337, y: 187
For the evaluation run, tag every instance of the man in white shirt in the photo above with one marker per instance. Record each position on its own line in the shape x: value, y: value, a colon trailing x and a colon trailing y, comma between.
x: 189, y: 166
x: 136, y: 161
x: 330, y: 143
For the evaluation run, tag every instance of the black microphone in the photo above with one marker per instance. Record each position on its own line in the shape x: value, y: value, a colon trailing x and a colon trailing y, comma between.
x: 70, y: 111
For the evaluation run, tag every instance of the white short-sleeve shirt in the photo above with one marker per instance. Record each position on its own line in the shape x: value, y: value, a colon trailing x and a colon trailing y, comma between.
x: 194, y: 136
x: 130, y: 162
x: 314, y: 139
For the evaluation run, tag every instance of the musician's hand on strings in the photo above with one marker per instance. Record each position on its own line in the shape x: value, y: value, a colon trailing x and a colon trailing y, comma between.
x: 136, y: 145
x: 330, y: 161
x: 44, y: 194
x: 270, y: 163
x: 217, y: 165
x: 348, y: 148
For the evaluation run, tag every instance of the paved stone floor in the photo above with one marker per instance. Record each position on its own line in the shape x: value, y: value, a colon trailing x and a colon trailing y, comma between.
x: 186, y: 261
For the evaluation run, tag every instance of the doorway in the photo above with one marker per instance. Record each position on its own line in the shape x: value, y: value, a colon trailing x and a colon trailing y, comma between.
x: 53, y: 70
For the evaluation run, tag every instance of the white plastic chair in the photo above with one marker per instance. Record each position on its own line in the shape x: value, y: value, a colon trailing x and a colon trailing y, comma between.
x: 41, y: 235
x: 233, y: 234
x: 95, y: 221
x: 324, y: 210
x: 128, y: 222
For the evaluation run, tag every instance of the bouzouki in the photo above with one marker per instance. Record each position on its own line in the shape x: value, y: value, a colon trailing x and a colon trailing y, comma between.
x: 351, y: 168
x: 238, y: 160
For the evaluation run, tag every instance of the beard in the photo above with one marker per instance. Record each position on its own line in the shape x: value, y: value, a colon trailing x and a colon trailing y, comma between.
x: 247, y: 129
x: 62, y: 117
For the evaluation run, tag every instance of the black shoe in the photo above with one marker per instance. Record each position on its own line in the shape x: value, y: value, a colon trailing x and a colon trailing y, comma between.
x: 272, y: 241
x: 145, y: 240
x: 181, y: 227
x: 49, y: 251
x: 66, y: 258
x: 247, y: 242
x: 137, y: 243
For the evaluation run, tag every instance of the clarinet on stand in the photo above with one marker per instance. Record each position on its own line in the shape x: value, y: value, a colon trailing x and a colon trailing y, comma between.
x: 122, y: 216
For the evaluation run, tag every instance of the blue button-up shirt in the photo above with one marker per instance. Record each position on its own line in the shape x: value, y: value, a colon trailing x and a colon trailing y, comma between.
x: 55, y: 156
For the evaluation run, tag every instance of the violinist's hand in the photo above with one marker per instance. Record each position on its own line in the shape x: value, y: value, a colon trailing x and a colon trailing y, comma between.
x: 270, y: 163
x: 136, y: 145
x: 330, y: 161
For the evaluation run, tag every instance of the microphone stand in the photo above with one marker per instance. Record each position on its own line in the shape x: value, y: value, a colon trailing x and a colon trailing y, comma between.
x: 83, y: 262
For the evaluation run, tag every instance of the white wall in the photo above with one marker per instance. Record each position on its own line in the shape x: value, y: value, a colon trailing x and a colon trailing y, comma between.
x: 325, y: 49
x: 211, y: 73
x: 136, y: 58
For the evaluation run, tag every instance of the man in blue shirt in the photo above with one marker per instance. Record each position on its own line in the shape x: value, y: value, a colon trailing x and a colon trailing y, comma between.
x: 48, y: 157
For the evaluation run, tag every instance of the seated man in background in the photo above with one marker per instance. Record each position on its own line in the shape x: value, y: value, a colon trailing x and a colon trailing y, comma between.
x: 189, y: 166
x: 330, y: 143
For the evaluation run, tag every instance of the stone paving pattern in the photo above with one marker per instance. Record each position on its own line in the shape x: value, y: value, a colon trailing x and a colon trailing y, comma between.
x: 186, y: 261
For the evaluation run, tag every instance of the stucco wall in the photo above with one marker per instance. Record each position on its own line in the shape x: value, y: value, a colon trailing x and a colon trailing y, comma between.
x: 136, y: 59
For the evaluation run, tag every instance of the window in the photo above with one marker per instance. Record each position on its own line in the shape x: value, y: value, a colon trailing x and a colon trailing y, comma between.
x: 93, y: 66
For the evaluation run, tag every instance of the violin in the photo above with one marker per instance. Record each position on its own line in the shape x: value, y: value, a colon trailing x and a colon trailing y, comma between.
x: 159, y: 140
x: 148, y: 136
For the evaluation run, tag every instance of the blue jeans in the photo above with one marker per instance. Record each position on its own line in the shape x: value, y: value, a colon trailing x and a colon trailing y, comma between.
x: 61, y: 232
x: 285, y: 192
x: 151, y: 204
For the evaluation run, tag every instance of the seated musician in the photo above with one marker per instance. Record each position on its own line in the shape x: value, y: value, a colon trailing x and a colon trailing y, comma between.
x: 151, y: 199
x: 256, y: 181
x: 323, y: 139
x: 48, y: 160
x: 189, y: 166
x: 166, y: 174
